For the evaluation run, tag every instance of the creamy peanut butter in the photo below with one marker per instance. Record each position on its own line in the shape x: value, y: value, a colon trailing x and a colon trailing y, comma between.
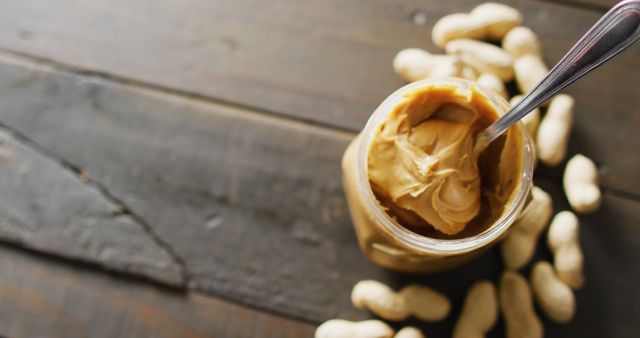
x: 425, y: 172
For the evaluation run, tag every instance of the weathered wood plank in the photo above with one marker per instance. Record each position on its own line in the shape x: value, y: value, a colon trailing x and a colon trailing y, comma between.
x: 326, y: 61
x: 42, y: 297
x: 253, y: 204
x: 235, y: 194
x: 47, y: 207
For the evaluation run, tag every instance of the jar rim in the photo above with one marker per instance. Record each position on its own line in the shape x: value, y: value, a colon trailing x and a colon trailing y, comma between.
x: 430, y: 245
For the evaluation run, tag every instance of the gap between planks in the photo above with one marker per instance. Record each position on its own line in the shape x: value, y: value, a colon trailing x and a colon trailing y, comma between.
x: 620, y: 194
x: 12, y: 56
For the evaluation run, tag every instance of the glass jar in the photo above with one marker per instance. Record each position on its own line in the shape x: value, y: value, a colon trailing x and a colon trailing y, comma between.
x: 389, y: 244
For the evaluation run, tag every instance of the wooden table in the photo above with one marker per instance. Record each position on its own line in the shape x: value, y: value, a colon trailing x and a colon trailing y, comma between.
x: 171, y: 168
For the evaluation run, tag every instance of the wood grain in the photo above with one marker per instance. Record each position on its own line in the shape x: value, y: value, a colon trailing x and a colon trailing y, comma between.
x: 43, y: 297
x: 47, y: 207
x: 322, y: 61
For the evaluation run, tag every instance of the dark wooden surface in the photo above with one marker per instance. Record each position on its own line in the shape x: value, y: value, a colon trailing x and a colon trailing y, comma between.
x: 207, y: 135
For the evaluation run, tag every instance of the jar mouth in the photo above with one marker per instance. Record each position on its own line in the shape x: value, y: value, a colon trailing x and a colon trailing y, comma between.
x: 430, y: 245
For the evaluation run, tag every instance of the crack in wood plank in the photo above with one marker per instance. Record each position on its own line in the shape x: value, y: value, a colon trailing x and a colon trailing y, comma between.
x: 7, y: 135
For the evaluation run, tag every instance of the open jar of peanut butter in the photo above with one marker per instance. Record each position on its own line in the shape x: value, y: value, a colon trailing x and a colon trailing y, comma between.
x: 422, y: 197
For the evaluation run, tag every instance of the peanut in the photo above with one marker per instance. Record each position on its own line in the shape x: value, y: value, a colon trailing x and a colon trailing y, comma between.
x: 494, y: 83
x: 467, y: 72
x: 516, y: 304
x: 564, y: 241
x: 425, y: 303
x: 339, y: 328
x: 409, y: 332
x: 482, y: 57
x: 523, y: 45
x: 529, y: 70
x: 553, y: 134
x: 480, y: 311
x: 422, y: 302
x: 414, y: 64
x: 520, y: 244
x: 531, y: 121
x: 380, y: 299
x: 554, y: 297
x: 487, y: 21
x: 521, y: 41
x: 581, y: 184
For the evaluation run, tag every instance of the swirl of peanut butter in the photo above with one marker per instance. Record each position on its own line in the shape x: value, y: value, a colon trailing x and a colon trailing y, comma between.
x: 422, y: 159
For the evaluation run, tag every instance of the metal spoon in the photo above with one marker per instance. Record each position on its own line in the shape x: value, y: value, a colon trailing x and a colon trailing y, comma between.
x: 618, y: 29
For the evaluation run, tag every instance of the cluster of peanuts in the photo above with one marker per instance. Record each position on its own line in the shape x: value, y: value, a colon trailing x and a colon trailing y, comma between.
x: 467, y: 55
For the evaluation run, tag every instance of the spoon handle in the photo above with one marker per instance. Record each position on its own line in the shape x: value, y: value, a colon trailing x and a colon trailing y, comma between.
x: 618, y: 29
